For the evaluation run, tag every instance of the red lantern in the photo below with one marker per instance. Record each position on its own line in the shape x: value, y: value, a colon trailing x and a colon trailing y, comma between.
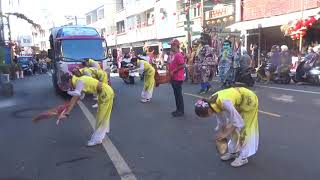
x: 311, y: 20
x: 306, y: 22
x: 292, y: 36
x: 174, y: 13
x: 198, y: 5
x: 162, y: 17
x: 298, y: 25
x: 298, y: 36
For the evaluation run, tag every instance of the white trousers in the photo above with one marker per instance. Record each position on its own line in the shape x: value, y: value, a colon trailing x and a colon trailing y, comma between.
x: 146, y: 94
x: 100, y: 132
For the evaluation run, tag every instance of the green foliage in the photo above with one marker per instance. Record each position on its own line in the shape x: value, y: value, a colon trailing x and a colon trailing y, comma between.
x: 2, y: 55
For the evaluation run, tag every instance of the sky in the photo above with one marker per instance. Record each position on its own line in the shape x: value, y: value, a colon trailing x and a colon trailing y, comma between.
x: 57, y: 9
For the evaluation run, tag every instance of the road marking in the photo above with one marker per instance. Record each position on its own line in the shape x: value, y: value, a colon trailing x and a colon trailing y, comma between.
x: 270, y: 114
x: 283, y: 98
x: 123, y: 169
x: 262, y: 112
x: 286, y: 89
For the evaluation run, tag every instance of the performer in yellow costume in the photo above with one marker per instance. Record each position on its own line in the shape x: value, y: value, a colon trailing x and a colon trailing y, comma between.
x: 91, y: 63
x: 85, y: 84
x: 149, y: 81
x: 98, y: 74
x: 236, y: 111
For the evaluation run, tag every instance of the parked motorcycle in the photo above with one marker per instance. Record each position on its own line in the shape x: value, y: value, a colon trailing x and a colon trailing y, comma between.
x: 43, y: 67
x: 281, y: 75
x: 310, y: 76
x: 125, y: 74
x: 242, y: 75
x: 27, y: 69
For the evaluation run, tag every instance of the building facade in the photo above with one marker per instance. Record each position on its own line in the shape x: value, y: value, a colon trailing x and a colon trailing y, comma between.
x: 135, y: 24
x: 260, y: 23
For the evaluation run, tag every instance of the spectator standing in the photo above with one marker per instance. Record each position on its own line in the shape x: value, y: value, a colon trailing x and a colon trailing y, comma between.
x: 176, y: 70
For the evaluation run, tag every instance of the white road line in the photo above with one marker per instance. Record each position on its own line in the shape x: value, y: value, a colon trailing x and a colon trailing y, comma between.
x: 123, y: 169
x: 286, y: 89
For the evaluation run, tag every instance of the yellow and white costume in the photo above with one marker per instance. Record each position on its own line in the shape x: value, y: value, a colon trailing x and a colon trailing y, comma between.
x: 239, y: 107
x: 98, y: 74
x: 149, y: 81
x: 89, y: 85
x: 94, y: 64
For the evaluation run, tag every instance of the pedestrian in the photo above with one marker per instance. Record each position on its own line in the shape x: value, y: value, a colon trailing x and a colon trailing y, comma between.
x: 226, y: 59
x: 245, y: 59
x: 17, y: 68
x: 76, y: 87
x: 274, y: 61
x: 149, y: 78
x: 236, y: 112
x: 206, y: 61
x: 176, y: 70
x: 254, y: 55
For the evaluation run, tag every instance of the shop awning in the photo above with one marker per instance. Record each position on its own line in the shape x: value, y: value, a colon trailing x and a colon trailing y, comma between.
x: 166, y: 45
x: 272, y: 21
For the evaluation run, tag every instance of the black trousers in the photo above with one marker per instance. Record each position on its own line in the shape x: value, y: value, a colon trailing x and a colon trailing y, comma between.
x: 177, y: 90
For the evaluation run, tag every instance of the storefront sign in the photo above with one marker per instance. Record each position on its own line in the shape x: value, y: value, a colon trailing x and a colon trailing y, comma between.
x: 220, y: 10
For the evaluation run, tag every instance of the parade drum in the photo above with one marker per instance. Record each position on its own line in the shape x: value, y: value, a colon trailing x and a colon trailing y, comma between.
x: 222, y: 146
x: 123, y: 72
x: 162, y: 77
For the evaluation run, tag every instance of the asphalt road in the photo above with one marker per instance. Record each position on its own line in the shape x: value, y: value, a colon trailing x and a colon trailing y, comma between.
x: 154, y: 145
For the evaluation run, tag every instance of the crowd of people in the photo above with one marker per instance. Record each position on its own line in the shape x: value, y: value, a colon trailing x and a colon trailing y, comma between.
x: 236, y: 109
x: 32, y: 65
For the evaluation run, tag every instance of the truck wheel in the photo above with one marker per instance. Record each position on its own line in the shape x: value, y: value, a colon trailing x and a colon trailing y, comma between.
x: 55, y: 86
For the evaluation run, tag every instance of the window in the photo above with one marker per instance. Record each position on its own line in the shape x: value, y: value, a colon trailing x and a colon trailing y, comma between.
x: 103, y: 31
x: 88, y: 19
x: 120, y: 5
x: 131, y: 22
x: 120, y: 27
x: 196, y: 12
x: 94, y: 16
x: 26, y: 41
x: 150, y: 18
x: 100, y: 14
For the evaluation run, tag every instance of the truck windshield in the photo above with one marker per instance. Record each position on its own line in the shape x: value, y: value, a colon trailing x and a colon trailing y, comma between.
x: 88, y: 48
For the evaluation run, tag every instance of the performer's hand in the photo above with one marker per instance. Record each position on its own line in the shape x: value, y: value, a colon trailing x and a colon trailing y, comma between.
x: 221, y: 135
x: 64, y: 116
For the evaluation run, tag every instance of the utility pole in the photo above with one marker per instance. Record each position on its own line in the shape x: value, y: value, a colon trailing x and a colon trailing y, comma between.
x: 2, y: 40
x: 189, y: 30
x: 203, y: 15
x: 75, y: 18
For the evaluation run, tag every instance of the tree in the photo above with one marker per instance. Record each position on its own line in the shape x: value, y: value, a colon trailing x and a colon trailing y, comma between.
x: 23, y: 17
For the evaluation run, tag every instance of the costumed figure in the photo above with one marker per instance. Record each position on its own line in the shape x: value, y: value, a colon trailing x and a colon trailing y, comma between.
x: 75, y: 86
x: 236, y: 111
x: 225, y: 61
x: 206, y: 61
x: 149, y: 78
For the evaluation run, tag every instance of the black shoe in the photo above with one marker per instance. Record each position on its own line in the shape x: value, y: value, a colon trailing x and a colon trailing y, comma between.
x: 174, y: 112
x: 177, y: 114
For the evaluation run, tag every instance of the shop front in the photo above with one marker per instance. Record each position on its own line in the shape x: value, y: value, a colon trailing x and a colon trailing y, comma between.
x: 217, y: 20
x: 268, y: 31
x: 304, y: 32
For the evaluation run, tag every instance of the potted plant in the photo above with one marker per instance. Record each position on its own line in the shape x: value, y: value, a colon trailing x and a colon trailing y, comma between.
x: 5, y: 71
